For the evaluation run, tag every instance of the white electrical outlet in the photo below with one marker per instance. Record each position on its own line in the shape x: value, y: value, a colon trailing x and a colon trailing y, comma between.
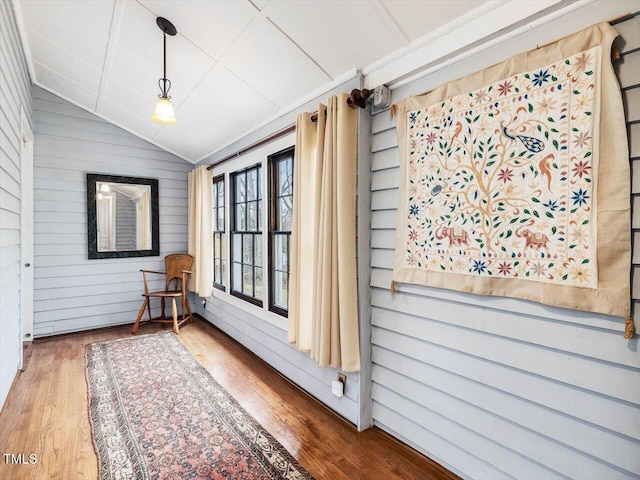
x: 337, y: 388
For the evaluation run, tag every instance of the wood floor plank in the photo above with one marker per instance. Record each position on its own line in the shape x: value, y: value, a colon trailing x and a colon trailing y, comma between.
x: 46, y: 414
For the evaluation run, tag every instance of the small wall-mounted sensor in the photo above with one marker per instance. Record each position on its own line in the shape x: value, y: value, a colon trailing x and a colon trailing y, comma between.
x: 381, y: 97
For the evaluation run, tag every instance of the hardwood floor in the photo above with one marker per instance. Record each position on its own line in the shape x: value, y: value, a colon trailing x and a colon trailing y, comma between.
x: 46, y: 414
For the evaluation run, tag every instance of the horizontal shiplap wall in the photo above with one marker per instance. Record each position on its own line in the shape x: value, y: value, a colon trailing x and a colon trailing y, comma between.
x: 15, y: 93
x: 498, y: 387
x: 72, y: 292
x: 268, y: 340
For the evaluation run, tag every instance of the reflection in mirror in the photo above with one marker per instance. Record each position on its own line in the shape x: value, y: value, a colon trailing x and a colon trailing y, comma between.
x: 123, y: 216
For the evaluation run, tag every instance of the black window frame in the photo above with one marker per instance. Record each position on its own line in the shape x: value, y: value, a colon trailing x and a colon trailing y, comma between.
x: 274, y: 196
x: 253, y: 233
x: 220, y: 231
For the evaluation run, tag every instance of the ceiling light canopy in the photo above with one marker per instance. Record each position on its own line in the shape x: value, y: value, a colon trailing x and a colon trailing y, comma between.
x: 164, y: 110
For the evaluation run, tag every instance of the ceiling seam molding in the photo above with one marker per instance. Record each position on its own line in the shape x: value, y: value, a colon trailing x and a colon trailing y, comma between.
x: 114, y: 30
x: 81, y: 87
x: 464, y: 53
x: 195, y: 45
x: 23, y: 38
x: 339, y: 80
x: 450, y: 28
x: 304, y: 52
x: 402, y: 63
x: 242, y: 37
x: 389, y: 22
x: 67, y: 52
x: 35, y: 81
x: 251, y: 27
x: 109, y: 120
x: 590, y: 15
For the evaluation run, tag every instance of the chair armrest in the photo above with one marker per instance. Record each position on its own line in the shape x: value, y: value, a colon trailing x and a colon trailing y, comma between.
x: 144, y: 278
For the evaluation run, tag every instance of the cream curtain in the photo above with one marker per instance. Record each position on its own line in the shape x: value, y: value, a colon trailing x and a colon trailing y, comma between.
x: 200, y: 234
x: 323, y: 309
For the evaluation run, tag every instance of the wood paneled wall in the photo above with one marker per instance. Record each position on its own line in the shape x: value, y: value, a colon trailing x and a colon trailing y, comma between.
x: 498, y: 387
x: 15, y: 94
x: 72, y: 292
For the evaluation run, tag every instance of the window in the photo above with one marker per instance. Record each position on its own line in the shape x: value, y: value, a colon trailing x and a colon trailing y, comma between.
x: 280, y: 218
x: 219, y: 241
x: 246, y: 235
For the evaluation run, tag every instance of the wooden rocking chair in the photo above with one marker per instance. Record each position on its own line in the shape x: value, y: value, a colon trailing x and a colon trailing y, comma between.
x: 178, y: 269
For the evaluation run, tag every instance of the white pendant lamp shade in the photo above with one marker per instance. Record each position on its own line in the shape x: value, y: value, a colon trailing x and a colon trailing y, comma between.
x: 164, y: 112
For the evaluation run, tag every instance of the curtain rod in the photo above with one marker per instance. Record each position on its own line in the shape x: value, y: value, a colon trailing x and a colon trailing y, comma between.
x: 357, y: 98
x: 259, y: 143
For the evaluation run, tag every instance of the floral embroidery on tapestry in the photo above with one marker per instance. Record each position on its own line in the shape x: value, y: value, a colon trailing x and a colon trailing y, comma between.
x: 501, y: 180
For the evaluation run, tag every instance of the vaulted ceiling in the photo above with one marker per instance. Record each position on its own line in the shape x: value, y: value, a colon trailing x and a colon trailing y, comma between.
x: 233, y: 65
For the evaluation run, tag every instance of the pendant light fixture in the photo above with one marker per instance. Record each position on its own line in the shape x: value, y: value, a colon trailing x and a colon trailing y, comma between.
x: 164, y: 110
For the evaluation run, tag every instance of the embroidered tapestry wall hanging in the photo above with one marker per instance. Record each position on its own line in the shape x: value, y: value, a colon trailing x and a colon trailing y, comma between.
x: 514, y: 181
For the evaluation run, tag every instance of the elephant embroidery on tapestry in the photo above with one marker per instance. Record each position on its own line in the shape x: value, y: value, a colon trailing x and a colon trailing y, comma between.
x: 500, y: 179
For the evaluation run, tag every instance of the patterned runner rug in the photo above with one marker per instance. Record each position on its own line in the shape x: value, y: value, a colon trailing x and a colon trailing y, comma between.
x: 156, y: 413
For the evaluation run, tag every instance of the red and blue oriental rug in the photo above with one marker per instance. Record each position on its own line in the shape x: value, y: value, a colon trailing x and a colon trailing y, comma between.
x: 156, y: 413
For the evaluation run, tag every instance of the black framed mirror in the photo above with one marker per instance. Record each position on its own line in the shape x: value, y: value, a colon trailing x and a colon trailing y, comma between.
x: 122, y: 216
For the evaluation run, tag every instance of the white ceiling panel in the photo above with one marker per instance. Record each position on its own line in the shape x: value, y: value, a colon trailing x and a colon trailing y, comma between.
x: 65, y: 87
x: 275, y: 67
x: 139, y: 105
x: 134, y: 123
x: 337, y: 34
x: 172, y: 141
x: 216, y: 25
x: 220, y: 108
x: 415, y: 17
x: 49, y: 54
x: 79, y: 27
x: 137, y: 60
x: 234, y: 64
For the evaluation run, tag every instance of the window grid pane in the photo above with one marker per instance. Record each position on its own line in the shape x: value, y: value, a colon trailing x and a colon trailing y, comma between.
x: 280, y: 224
x: 247, y: 235
x: 219, y: 238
